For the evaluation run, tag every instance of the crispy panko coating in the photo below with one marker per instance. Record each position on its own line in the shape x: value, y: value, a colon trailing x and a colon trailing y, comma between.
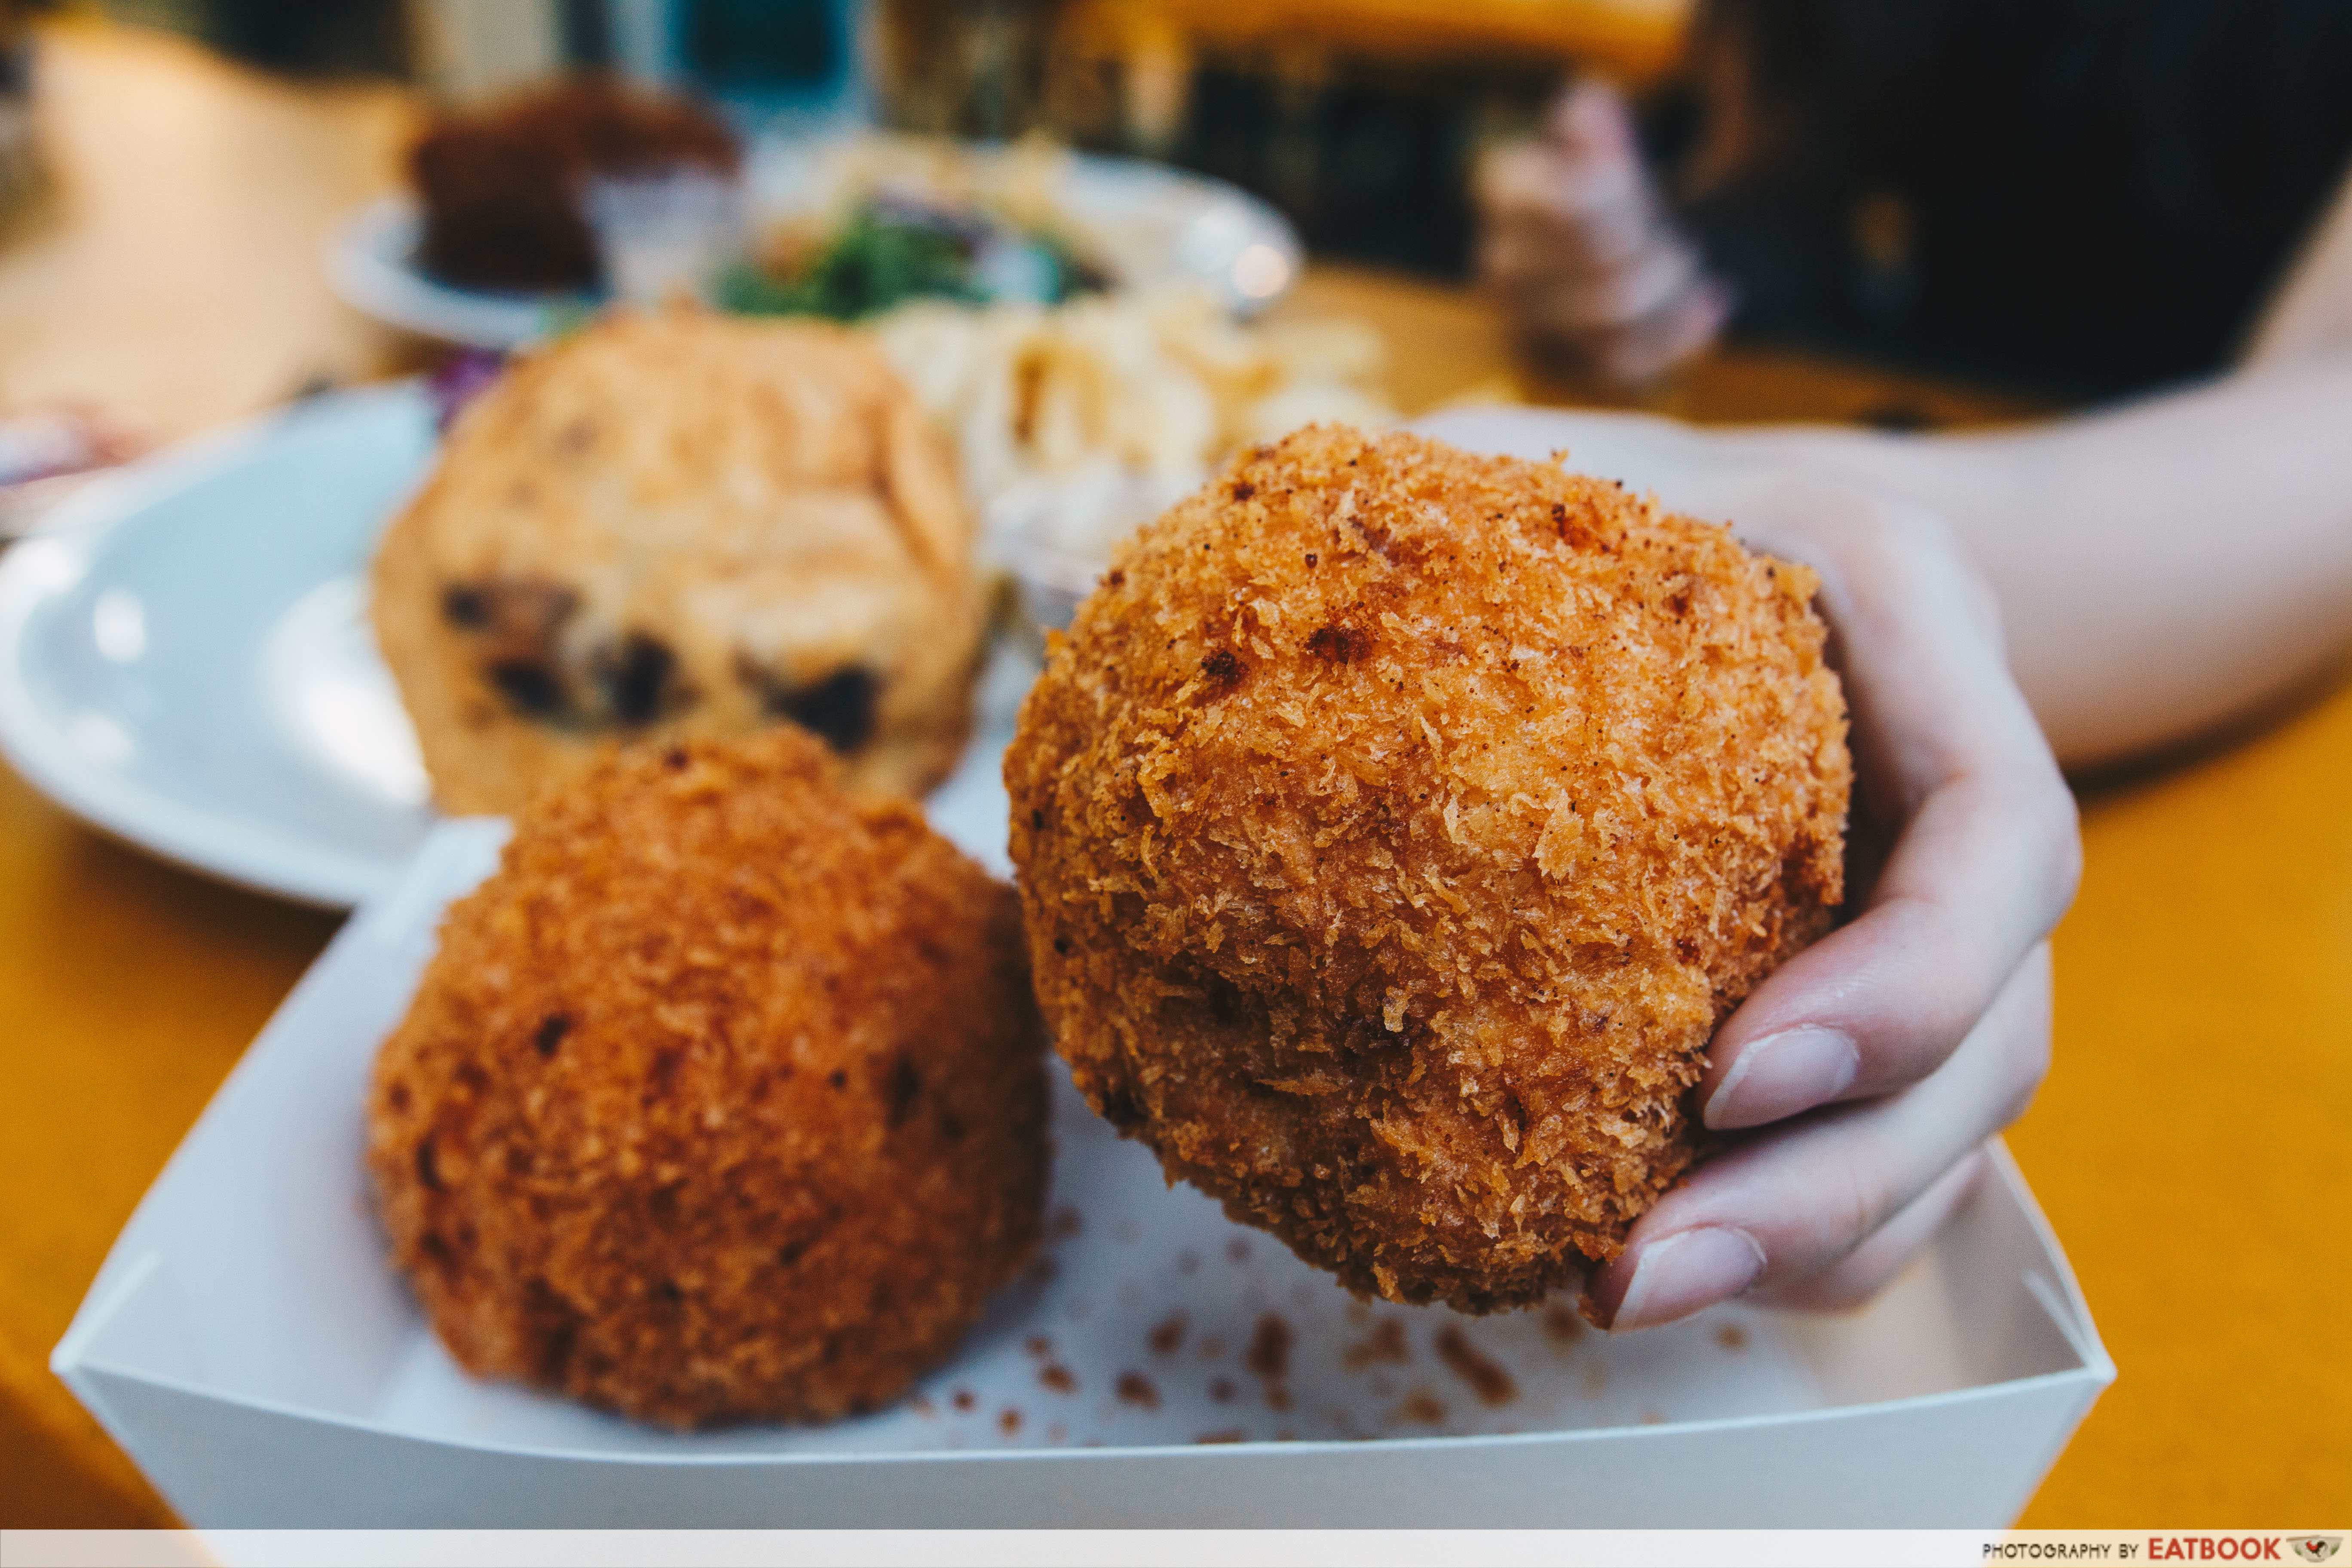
x: 1394, y: 825
x: 723, y: 1099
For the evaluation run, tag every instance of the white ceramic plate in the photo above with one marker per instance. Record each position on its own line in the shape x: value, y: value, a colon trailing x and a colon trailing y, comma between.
x: 1199, y: 229
x: 184, y: 660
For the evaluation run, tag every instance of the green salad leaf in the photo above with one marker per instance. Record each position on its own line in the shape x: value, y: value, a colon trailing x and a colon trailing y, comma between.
x: 873, y: 264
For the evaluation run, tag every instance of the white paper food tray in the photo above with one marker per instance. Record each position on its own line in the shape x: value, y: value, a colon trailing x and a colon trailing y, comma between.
x: 247, y: 1344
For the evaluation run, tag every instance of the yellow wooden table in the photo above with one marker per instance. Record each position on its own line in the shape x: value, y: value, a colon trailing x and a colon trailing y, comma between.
x: 2190, y: 1145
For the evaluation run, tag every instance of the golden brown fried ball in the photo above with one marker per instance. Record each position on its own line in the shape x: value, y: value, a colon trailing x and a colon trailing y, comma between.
x: 674, y: 525
x: 1395, y: 825
x: 723, y: 1098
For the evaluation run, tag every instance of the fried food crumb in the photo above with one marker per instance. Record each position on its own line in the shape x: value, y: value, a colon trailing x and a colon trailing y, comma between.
x: 1269, y: 1349
x: 1421, y: 1408
x: 1167, y: 1336
x: 1385, y: 1343
x: 1561, y: 1325
x: 1485, y: 1376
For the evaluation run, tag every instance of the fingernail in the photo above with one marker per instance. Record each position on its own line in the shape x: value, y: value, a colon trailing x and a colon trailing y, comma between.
x: 1782, y: 1074
x: 1686, y: 1272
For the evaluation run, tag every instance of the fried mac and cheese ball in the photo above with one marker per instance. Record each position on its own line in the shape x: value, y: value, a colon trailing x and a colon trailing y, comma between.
x: 1394, y: 825
x: 723, y: 1099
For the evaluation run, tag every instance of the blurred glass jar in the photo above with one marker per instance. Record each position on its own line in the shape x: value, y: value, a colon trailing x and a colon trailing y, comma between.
x: 1055, y: 536
x: 667, y: 236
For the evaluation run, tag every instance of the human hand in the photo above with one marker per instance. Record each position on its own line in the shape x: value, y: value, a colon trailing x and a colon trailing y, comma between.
x: 1577, y: 247
x: 1861, y: 1081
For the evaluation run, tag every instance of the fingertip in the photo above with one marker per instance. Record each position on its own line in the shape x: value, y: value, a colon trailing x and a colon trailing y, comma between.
x: 1783, y: 1075
x: 1670, y: 1279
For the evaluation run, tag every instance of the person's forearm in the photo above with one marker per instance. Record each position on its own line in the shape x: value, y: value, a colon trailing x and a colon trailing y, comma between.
x: 2162, y: 568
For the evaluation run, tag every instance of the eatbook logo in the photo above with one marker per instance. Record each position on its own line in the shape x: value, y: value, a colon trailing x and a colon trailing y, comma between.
x: 2317, y: 1548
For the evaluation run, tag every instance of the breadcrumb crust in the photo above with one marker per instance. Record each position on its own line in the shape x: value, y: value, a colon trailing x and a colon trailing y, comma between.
x: 723, y: 1099
x: 1394, y: 828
